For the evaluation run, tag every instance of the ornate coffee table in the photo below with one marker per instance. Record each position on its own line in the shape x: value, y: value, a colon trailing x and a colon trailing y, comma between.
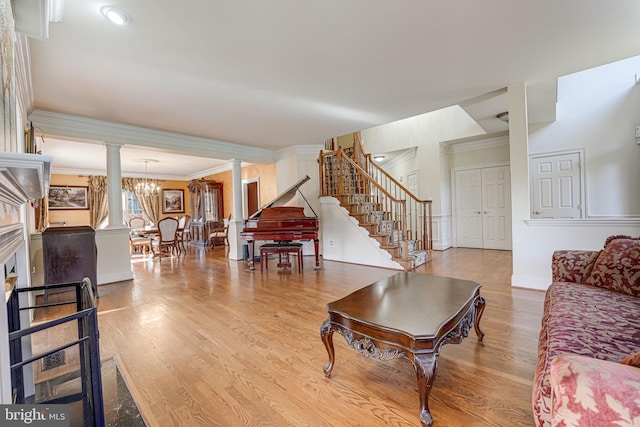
x: 406, y: 315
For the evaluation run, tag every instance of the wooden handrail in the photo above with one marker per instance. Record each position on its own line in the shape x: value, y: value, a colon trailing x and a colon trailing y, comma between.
x: 340, y: 174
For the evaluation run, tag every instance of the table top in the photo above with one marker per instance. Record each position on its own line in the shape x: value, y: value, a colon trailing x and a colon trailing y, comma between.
x: 420, y: 305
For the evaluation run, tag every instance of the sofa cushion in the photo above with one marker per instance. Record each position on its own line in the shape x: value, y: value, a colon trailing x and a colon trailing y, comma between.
x: 618, y: 266
x: 584, y: 320
x: 591, y: 392
x: 572, y: 265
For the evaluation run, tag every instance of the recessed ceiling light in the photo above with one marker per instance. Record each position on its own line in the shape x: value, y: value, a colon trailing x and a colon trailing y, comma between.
x: 115, y: 14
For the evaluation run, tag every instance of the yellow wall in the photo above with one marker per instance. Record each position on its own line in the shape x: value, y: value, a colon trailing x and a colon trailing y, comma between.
x: 176, y: 185
x: 267, y: 175
x: 81, y: 217
x: 74, y: 216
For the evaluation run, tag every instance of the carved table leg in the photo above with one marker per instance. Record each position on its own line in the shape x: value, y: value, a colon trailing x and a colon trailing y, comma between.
x: 479, y: 309
x: 425, y: 365
x: 326, y: 333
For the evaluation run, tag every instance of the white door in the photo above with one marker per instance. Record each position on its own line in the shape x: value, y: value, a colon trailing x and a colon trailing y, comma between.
x: 483, y: 208
x: 496, y: 208
x: 556, y: 186
x: 469, y: 208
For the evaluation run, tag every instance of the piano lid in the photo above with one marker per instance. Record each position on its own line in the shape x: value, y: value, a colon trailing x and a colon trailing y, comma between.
x: 282, y: 198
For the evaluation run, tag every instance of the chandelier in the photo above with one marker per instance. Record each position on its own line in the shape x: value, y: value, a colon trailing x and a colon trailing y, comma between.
x: 147, y: 186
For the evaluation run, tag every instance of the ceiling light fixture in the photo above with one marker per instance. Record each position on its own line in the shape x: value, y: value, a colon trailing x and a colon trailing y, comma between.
x: 147, y: 186
x: 379, y: 157
x: 504, y: 116
x: 115, y: 14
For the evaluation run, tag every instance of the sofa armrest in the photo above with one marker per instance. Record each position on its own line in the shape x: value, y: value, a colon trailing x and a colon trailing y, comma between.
x: 591, y: 392
x: 572, y: 265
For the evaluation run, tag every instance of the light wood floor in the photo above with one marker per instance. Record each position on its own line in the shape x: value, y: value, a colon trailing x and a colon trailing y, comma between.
x: 205, y: 342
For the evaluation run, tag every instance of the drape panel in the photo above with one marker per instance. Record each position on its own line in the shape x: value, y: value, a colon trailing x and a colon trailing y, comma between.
x: 98, y: 204
x: 149, y: 204
x: 42, y: 214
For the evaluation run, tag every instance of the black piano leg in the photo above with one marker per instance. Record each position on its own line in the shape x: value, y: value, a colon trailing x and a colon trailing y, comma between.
x: 316, y: 247
x: 251, y: 255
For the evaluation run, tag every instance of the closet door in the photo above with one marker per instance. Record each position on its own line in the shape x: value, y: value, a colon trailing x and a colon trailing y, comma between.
x: 483, y: 208
x: 496, y: 208
x: 469, y: 208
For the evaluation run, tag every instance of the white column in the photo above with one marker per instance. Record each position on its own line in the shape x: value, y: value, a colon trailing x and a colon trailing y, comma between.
x: 114, y: 185
x: 237, y: 189
x: 236, y: 224
x: 519, y: 163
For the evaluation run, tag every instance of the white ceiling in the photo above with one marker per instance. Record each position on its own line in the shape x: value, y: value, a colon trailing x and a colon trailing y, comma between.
x: 280, y: 73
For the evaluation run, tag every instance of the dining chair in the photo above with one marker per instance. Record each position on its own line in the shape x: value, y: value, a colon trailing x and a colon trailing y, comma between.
x: 167, y: 238
x: 220, y: 234
x: 136, y: 223
x: 183, y: 223
x: 139, y: 242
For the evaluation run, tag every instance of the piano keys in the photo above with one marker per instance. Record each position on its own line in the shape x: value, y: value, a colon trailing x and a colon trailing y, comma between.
x: 282, y: 223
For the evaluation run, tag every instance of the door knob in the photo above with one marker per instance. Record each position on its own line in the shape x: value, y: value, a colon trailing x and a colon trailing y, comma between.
x: 485, y: 212
x: 479, y: 212
x: 537, y: 212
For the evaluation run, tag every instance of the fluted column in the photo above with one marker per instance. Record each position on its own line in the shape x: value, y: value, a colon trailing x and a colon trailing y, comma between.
x: 114, y: 185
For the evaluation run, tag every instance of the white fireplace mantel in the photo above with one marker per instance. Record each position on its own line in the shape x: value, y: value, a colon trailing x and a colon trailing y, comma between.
x: 23, y: 177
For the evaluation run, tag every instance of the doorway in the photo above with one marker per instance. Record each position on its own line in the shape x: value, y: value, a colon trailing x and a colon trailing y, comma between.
x: 482, y: 206
x: 251, y: 196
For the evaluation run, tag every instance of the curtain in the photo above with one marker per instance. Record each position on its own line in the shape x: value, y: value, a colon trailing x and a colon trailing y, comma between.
x: 149, y: 204
x: 42, y: 214
x: 98, y: 205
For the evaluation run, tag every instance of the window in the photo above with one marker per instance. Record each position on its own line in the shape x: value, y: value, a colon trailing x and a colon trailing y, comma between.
x: 130, y: 206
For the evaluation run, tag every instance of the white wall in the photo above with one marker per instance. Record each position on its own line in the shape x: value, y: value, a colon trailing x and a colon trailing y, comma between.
x: 425, y: 132
x: 344, y: 240
x: 292, y: 165
x: 598, y: 110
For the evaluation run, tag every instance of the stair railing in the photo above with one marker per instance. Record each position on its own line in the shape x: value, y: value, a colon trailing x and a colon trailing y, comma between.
x: 342, y: 178
x: 419, y: 218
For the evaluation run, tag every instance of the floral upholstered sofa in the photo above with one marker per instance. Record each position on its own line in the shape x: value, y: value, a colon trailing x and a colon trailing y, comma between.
x: 590, y: 324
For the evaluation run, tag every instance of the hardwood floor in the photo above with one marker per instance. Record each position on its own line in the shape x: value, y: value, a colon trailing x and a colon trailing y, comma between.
x: 205, y: 342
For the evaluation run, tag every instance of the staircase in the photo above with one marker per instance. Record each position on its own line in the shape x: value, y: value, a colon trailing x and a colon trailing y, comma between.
x: 395, y: 218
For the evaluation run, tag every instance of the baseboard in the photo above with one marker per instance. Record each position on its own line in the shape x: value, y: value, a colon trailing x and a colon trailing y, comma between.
x: 103, y: 279
x: 530, y: 282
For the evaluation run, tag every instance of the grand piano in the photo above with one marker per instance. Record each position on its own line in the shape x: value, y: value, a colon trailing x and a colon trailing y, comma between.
x: 282, y: 223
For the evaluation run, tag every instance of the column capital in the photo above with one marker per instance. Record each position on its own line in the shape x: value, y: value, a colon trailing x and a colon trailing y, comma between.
x: 112, y: 145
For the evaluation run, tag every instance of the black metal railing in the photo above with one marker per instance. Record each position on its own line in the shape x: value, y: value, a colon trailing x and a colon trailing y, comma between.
x: 86, y: 317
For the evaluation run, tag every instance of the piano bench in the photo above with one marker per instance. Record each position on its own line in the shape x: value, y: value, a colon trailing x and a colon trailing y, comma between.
x: 283, y: 250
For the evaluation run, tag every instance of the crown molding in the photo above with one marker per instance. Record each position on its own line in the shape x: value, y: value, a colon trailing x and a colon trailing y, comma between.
x: 63, y: 125
x: 299, y: 150
x: 478, y: 142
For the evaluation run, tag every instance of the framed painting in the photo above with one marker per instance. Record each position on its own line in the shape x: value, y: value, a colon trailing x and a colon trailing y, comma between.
x: 172, y: 201
x: 68, y: 197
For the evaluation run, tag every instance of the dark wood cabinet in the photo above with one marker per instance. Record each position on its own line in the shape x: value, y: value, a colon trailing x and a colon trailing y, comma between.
x: 69, y: 255
x: 207, y: 209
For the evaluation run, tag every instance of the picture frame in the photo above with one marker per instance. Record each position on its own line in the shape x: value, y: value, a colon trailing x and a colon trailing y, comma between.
x: 68, y: 197
x: 172, y: 201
